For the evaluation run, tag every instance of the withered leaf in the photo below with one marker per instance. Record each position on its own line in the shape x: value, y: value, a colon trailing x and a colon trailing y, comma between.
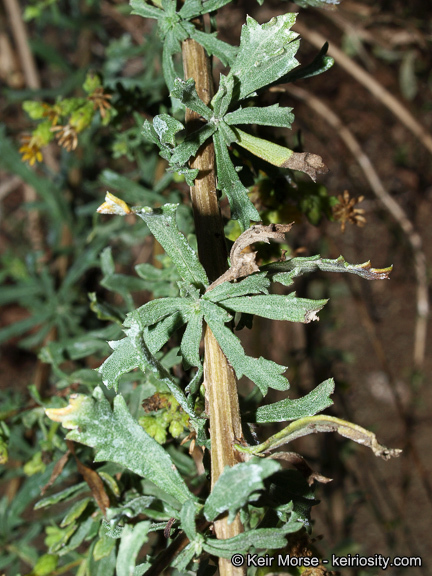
x: 94, y: 481
x: 311, y: 164
x: 244, y: 263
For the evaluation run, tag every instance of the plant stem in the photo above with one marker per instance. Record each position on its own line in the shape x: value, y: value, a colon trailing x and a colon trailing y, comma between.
x: 220, y: 381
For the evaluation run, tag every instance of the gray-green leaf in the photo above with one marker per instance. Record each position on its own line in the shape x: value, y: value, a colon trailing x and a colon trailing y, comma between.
x: 265, y: 116
x: 316, y: 401
x: 267, y: 52
x: 132, y: 539
x: 237, y: 486
x: 163, y: 226
x: 118, y: 438
x: 276, y: 307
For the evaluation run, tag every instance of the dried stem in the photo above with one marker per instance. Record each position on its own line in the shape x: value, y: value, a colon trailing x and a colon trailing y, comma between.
x: 369, y: 82
x: 219, y: 378
x: 392, y: 206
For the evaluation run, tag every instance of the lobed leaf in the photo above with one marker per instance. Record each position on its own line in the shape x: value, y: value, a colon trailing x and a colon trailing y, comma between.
x: 266, y: 53
x: 264, y: 373
x: 285, y: 272
x: 118, y: 438
x: 258, y: 539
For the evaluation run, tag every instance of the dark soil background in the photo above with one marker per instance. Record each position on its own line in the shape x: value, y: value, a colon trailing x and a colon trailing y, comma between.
x: 366, y: 335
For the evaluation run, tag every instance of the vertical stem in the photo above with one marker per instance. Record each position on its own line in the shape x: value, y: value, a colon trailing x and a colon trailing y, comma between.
x: 220, y: 381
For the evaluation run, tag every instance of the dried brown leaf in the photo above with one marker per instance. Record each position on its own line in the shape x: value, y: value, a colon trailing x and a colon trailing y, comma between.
x: 244, y: 263
x: 94, y: 481
x: 311, y: 164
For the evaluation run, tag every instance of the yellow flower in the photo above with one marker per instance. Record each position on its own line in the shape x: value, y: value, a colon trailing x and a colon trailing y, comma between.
x: 30, y: 149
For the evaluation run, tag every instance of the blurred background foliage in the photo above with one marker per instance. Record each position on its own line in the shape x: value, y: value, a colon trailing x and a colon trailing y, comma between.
x: 79, y: 78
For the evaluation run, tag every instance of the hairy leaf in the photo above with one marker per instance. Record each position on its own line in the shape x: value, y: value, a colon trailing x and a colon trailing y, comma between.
x: 285, y: 272
x: 163, y: 226
x: 191, y: 339
x: 267, y: 52
x: 265, y: 116
x: 132, y: 539
x: 242, y: 208
x: 142, y: 8
x: 215, y: 47
x: 118, y: 438
x: 254, y: 284
x: 264, y: 373
x: 316, y: 401
x: 258, y: 539
x: 237, y: 486
x: 276, y: 307
x: 186, y: 92
x: 191, y: 144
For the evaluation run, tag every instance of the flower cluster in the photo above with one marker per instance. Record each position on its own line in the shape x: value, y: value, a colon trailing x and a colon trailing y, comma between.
x: 64, y: 120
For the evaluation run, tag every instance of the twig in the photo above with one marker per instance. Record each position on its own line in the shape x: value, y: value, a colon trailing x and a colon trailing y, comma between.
x: 392, y: 206
x: 21, y: 40
x: 369, y: 82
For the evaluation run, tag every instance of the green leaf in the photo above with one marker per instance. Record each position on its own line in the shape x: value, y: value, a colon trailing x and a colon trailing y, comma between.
x: 131, y: 191
x: 193, y: 8
x: 187, y: 517
x: 118, y: 438
x: 223, y: 96
x: 132, y: 539
x: 191, y: 144
x: 191, y: 340
x: 237, y: 486
x: 141, y: 8
x: 265, y: 116
x: 316, y: 401
x: 258, y: 539
x: 156, y: 310
x: 149, y: 362
x: 123, y: 360
x: 253, y: 284
x: 321, y: 63
x: 75, y: 512
x: 215, y: 47
x: 266, y: 53
x: 277, y: 307
x: 242, y: 208
x: 163, y: 226
x: 65, y: 494
x: 264, y: 373
x: 285, y: 272
x: 171, y: 46
x: 185, y: 91
x: 166, y: 128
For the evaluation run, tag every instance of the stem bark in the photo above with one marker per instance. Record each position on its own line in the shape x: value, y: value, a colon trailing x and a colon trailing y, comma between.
x: 221, y: 385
